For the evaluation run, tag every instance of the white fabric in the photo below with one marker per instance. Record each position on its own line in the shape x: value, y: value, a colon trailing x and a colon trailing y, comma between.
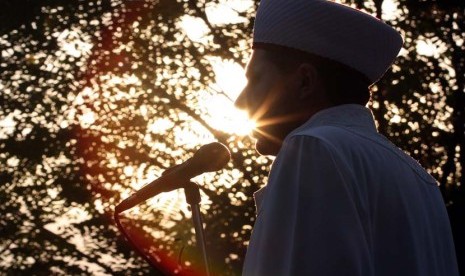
x: 342, y: 200
x: 330, y: 30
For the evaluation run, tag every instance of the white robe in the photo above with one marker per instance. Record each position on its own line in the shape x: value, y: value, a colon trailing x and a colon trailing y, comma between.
x: 342, y: 200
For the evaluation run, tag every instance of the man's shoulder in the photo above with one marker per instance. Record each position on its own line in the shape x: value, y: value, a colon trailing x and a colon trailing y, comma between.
x: 327, y: 134
x: 319, y: 131
x: 324, y: 139
x: 346, y: 141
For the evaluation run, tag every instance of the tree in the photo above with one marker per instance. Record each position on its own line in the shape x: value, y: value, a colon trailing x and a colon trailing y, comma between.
x: 99, y: 97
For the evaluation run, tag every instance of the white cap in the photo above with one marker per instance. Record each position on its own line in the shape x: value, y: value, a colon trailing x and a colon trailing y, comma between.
x: 329, y: 30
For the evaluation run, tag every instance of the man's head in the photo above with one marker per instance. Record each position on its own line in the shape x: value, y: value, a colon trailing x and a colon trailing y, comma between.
x: 286, y: 87
x: 310, y: 55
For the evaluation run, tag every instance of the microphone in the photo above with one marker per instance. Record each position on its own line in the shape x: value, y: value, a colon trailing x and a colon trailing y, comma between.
x: 209, y: 158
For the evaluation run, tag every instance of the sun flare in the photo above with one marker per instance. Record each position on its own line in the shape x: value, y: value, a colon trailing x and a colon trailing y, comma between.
x: 222, y: 115
x: 219, y: 102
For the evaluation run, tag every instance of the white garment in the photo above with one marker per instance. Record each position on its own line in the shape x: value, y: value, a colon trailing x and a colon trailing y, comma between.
x: 342, y: 200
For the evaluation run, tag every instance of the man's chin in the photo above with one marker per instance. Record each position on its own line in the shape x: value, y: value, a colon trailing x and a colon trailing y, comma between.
x: 266, y: 147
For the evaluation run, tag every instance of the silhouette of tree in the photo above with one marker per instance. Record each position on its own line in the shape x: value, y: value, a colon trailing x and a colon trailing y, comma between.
x: 99, y: 97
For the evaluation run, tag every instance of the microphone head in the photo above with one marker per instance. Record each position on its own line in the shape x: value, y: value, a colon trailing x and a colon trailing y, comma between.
x: 211, y: 157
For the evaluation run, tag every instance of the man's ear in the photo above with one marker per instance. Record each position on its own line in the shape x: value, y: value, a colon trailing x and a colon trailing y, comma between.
x: 309, y: 80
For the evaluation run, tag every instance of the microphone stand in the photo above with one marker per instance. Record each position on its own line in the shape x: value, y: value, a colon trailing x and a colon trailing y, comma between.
x: 191, y: 190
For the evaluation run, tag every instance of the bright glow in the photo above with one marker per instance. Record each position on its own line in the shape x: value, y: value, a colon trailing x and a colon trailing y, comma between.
x: 170, y: 203
x: 196, y: 29
x: 224, y: 116
x: 87, y: 119
x: 227, y: 12
x: 229, y: 76
x: 7, y: 126
x: 395, y: 119
x: 75, y: 214
x: 72, y: 43
x: 191, y: 136
x: 238, y: 5
x: 12, y: 162
x: 434, y: 87
x: 114, y: 80
x: 426, y: 47
x: 128, y: 171
x: 160, y: 126
x: 390, y: 10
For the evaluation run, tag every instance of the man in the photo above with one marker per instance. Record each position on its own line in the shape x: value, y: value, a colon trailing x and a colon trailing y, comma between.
x: 341, y: 199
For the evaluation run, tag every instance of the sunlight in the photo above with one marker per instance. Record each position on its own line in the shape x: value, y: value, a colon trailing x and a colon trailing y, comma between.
x: 100, y: 98
x: 12, y: 162
x: 390, y: 10
x: 224, y: 116
x: 73, y: 42
x: 430, y: 48
x: 227, y: 12
x: 160, y: 126
x: 170, y: 203
x: 87, y: 119
x: 229, y: 76
x: 191, y: 136
x: 196, y: 29
x: 219, y: 100
x: 73, y: 215
x: 7, y: 125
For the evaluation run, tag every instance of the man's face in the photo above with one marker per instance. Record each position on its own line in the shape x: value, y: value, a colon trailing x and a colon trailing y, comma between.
x: 271, y: 100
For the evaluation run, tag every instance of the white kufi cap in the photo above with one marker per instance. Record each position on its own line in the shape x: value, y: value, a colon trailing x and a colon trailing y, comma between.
x: 329, y: 30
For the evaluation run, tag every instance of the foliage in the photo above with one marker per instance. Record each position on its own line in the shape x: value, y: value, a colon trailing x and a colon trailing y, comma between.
x: 99, y: 97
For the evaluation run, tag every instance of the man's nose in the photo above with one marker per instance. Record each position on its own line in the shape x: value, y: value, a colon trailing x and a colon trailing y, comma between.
x: 241, y: 101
